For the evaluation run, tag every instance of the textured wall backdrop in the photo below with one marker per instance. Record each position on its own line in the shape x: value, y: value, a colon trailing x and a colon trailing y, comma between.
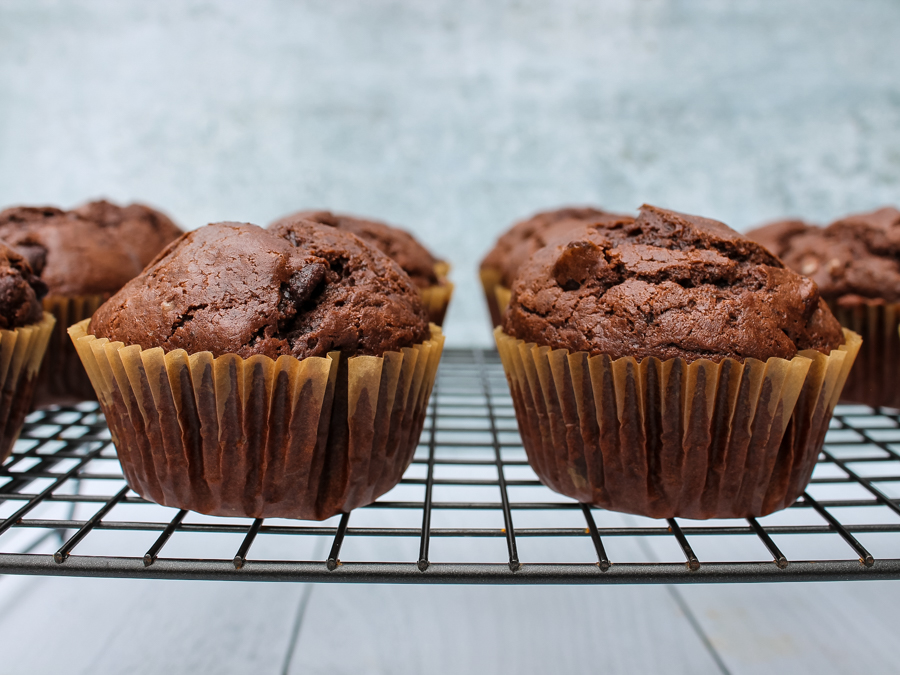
x: 452, y: 117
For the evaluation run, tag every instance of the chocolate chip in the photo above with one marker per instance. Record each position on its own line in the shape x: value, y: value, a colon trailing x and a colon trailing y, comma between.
x: 35, y: 254
x: 576, y: 264
x: 305, y: 283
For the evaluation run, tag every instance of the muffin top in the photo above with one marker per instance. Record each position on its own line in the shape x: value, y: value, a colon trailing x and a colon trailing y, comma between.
x: 396, y: 243
x: 237, y: 288
x: 20, y: 291
x: 855, y: 259
x: 777, y: 236
x: 94, y: 249
x: 667, y: 285
x: 517, y: 244
x: 148, y: 230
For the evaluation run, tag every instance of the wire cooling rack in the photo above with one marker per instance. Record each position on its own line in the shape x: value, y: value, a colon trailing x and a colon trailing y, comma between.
x: 469, y: 510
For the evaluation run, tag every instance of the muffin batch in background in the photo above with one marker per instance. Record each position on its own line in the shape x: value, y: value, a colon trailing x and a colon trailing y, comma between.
x: 264, y: 373
x: 664, y: 366
x: 517, y: 244
x: 427, y: 272
x: 856, y: 263
x: 667, y: 366
x: 83, y: 256
x: 24, y: 332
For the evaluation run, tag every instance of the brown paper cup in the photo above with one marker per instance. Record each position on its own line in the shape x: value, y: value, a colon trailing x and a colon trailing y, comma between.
x: 436, y: 298
x: 490, y: 280
x: 63, y: 380
x: 874, y: 378
x: 503, y: 295
x: 21, y: 352
x: 670, y: 439
x: 292, y: 438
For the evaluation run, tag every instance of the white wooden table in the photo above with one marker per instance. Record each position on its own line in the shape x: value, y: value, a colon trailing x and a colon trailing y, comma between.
x: 100, y: 626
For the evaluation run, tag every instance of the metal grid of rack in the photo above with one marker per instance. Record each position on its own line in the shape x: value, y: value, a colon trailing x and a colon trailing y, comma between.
x: 66, y: 510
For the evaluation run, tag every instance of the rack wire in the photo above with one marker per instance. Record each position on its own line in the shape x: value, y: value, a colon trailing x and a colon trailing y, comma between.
x: 468, y: 510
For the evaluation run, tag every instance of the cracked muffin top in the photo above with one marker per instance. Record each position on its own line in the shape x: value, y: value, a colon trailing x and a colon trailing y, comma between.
x: 667, y: 285
x: 235, y: 288
x: 396, y: 243
x: 518, y: 243
x: 93, y: 249
x: 854, y: 260
x: 20, y: 291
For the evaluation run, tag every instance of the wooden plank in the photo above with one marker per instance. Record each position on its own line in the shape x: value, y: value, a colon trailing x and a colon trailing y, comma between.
x: 115, y: 626
x: 489, y: 629
x: 796, y: 628
x: 800, y: 628
x: 97, y: 626
x: 460, y: 629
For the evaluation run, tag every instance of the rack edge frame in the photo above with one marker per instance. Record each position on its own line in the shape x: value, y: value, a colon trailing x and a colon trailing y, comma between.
x: 448, y: 573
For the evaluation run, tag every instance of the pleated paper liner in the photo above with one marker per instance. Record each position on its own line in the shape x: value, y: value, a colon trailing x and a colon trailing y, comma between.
x: 503, y: 295
x: 21, y: 352
x: 436, y: 298
x: 670, y: 439
x: 875, y: 379
x: 63, y: 380
x: 292, y: 438
x: 490, y: 280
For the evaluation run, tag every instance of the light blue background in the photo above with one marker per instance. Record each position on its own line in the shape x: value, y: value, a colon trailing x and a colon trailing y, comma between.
x: 452, y: 118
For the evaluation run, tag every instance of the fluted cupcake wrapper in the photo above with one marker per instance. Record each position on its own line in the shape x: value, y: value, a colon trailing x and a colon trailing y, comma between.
x: 503, y: 295
x: 21, y: 353
x: 288, y: 438
x: 668, y: 438
x: 63, y: 380
x: 490, y: 280
x: 436, y: 298
x: 874, y: 379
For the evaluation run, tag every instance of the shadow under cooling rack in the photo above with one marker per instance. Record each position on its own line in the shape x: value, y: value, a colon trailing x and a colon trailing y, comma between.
x: 469, y: 510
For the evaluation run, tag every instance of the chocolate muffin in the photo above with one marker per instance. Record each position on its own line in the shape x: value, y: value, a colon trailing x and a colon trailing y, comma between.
x: 777, y: 236
x: 427, y: 272
x: 24, y: 331
x: 94, y: 250
x: 670, y: 367
x: 307, y: 357
x: 145, y: 230
x: 518, y: 244
x: 83, y: 256
x: 856, y: 263
x: 313, y: 291
x: 667, y: 285
x: 21, y: 291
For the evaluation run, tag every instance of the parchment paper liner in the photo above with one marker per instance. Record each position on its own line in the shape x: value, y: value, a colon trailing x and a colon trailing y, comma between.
x: 292, y: 438
x: 490, y: 280
x: 63, y: 380
x: 503, y: 295
x: 875, y: 379
x: 21, y: 352
x: 667, y: 438
x: 436, y: 298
